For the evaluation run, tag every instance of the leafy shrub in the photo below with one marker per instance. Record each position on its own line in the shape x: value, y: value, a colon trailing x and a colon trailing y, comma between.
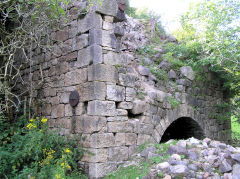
x: 30, y: 150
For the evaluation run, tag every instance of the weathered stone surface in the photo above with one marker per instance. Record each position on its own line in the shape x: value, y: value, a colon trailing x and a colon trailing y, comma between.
x: 107, y: 25
x: 107, y: 7
x: 164, y: 65
x: 117, y: 118
x: 225, y: 166
x: 95, y: 36
x: 138, y: 107
x: 95, y: 155
x: 57, y: 111
x: 115, y: 93
x: 145, y: 152
x: 75, y: 77
x: 172, y: 74
x: 142, y: 138
x: 187, y: 71
x: 92, y: 91
x: 90, y: 21
x: 236, y: 171
x: 89, y: 55
x: 109, y: 39
x: 121, y: 112
x: 118, y: 31
x: 163, y: 166
x: 236, y: 157
x: 125, y: 105
x: 179, y: 170
x: 80, y: 42
x: 128, y: 80
x: 89, y: 124
x: 120, y: 139
x: 102, y: 72
x: 102, y: 140
x: 79, y: 109
x: 98, y: 170
x: 123, y: 126
x: 131, y: 138
x: 101, y: 108
x: 143, y: 128
x: 143, y: 70
x: 118, y: 154
x: 113, y: 58
x: 130, y: 94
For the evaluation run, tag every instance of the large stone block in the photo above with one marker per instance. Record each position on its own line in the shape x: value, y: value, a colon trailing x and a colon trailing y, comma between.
x: 101, y: 108
x: 95, y: 36
x: 90, y: 21
x: 187, y: 71
x: 130, y: 94
x: 131, y: 138
x: 92, y: 91
x: 139, y: 107
x: 143, y: 138
x: 125, y: 105
x: 79, y: 110
x: 128, y: 80
x: 57, y: 111
x: 120, y: 139
x: 109, y: 39
x: 75, y: 77
x: 107, y: 7
x: 123, y: 126
x: 113, y: 58
x: 118, y: 154
x: 89, y: 124
x: 102, y: 72
x: 102, y: 140
x: 115, y: 93
x: 80, y: 42
x: 95, y: 155
x: 98, y: 170
x: 145, y: 128
x: 89, y: 55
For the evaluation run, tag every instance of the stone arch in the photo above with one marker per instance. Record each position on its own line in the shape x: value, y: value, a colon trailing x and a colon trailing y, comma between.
x: 190, y: 117
x: 183, y: 128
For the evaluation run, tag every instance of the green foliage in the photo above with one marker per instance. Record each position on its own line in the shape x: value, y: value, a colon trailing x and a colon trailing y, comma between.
x: 147, y: 50
x: 162, y: 147
x: 141, y: 94
x: 29, y: 149
x: 174, y: 103
x: 160, y: 74
x: 235, y: 131
x: 210, y: 29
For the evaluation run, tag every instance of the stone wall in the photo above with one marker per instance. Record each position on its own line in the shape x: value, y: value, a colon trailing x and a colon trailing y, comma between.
x: 121, y: 105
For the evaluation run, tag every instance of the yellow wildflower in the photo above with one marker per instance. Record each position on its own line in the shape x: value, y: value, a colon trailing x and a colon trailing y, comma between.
x: 67, y: 150
x: 30, y: 126
x: 32, y: 120
x: 65, y: 165
x: 44, y: 120
x: 58, y: 176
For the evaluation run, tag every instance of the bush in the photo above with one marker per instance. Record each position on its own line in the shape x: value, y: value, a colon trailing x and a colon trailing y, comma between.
x: 28, y: 149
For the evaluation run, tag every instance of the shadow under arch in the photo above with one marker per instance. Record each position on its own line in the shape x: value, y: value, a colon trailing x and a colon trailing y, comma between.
x: 183, y: 128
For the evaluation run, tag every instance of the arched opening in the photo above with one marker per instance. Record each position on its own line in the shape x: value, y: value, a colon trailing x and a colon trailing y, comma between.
x: 183, y: 128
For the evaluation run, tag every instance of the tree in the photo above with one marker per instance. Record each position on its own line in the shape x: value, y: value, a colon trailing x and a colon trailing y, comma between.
x: 212, y: 29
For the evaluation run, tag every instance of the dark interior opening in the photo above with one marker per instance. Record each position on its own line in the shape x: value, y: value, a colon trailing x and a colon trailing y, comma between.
x: 183, y: 128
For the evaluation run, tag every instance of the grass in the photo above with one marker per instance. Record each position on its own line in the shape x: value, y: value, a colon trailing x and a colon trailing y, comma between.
x: 235, y: 131
x: 130, y: 172
x: 141, y: 170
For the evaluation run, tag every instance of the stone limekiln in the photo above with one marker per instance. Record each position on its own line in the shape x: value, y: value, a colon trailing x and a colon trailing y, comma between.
x: 121, y: 104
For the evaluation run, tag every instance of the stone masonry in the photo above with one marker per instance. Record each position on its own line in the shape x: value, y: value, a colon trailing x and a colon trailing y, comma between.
x: 121, y: 105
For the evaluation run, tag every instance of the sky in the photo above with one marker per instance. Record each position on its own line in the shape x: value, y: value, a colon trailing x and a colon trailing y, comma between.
x: 170, y: 10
